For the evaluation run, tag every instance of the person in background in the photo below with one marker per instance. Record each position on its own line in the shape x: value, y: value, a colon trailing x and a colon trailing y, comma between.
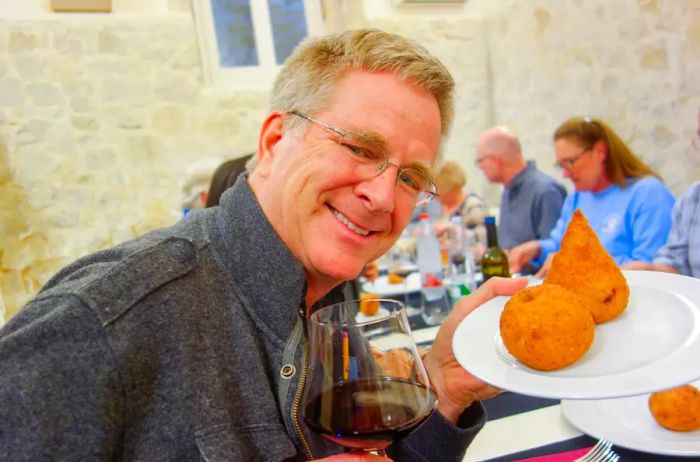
x: 681, y: 253
x: 623, y: 199
x: 530, y: 202
x: 224, y: 177
x: 454, y: 198
x: 189, y: 343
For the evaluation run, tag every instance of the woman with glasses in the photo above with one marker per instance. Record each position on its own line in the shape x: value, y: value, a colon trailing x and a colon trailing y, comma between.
x: 624, y: 200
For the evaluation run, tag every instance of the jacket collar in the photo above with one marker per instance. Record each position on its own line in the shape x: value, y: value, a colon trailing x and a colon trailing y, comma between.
x: 272, y: 281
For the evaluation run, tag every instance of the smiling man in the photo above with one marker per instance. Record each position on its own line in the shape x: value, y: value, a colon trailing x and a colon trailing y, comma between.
x: 189, y: 343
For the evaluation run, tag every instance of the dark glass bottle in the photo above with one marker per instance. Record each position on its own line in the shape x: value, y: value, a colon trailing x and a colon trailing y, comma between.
x: 494, y: 262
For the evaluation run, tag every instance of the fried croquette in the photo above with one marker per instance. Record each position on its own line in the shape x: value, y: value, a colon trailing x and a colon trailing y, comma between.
x: 582, y: 265
x: 368, y: 307
x: 394, y: 278
x: 677, y: 409
x: 547, y: 327
x: 394, y: 363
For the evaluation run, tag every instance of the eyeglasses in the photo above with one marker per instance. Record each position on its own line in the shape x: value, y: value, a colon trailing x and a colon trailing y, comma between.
x: 371, y: 160
x: 478, y: 161
x: 568, y: 164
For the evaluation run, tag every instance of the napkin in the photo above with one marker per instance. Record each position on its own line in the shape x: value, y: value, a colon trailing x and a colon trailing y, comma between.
x: 560, y: 457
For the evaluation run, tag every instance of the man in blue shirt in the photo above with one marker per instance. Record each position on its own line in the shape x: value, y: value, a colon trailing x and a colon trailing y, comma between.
x: 531, y: 201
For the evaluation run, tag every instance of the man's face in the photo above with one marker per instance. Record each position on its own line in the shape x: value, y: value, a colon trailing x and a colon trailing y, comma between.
x: 489, y: 164
x: 332, y: 219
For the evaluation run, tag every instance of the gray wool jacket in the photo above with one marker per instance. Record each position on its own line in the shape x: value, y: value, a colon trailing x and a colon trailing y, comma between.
x: 185, y: 344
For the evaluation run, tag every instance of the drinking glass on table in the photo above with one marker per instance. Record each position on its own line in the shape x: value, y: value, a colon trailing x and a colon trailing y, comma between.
x: 367, y: 384
x: 400, y: 264
x: 402, y: 261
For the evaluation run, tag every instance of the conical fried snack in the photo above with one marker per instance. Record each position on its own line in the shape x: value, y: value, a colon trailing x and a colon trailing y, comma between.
x: 583, y: 266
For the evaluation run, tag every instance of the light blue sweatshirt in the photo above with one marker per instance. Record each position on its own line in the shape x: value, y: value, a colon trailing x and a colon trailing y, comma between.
x: 631, y: 222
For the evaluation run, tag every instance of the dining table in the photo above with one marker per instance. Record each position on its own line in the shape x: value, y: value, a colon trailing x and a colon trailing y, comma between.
x: 528, y: 428
x: 521, y: 427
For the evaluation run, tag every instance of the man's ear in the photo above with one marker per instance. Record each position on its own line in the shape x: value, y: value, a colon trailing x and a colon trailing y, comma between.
x: 271, y: 133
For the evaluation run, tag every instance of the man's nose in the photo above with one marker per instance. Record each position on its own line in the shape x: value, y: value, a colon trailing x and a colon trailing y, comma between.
x: 380, y: 190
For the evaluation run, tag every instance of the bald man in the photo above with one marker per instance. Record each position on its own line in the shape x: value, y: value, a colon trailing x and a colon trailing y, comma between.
x: 531, y: 201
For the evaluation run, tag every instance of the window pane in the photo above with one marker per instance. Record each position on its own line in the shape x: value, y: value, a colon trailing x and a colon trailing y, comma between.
x: 234, y: 33
x: 288, y: 20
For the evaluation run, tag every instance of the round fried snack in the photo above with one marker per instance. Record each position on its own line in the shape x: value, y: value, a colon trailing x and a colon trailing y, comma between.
x: 677, y: 409
x: 368, y: 306
x: 394, y: 278
x: 547, y: 327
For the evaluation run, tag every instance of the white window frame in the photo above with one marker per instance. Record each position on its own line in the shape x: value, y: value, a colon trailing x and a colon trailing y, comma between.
x: 262, y: 75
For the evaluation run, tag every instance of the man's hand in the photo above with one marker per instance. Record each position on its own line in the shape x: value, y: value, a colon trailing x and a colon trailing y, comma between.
x: 355, y: 457
x: 521, y: 254
x: 456, y: 389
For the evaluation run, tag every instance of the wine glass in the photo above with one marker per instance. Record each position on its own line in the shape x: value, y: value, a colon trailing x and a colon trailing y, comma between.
x: 367, y: 384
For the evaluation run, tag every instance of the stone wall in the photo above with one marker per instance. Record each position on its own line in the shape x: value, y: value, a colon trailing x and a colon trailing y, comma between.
x: 100, y: 116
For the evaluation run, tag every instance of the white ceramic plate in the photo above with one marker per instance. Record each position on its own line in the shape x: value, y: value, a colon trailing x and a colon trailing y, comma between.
x: 381, y: 313
x: 654, y: 344
x: 627, y: 422
x: 381, y: 286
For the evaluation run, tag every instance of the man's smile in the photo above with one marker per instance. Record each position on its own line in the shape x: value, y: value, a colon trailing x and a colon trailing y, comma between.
x: 350, y: 225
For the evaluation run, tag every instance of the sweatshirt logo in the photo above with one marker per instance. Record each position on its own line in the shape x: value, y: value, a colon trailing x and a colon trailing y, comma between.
x: 611, y: 223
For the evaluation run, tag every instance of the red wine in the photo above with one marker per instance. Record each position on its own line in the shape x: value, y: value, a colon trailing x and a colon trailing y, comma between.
x: 368, y: 413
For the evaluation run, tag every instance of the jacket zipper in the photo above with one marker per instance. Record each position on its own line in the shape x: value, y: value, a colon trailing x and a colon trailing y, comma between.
x: 300, y: 390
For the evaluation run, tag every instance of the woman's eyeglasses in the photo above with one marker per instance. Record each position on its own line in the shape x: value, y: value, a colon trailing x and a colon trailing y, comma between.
x: 568, y: 164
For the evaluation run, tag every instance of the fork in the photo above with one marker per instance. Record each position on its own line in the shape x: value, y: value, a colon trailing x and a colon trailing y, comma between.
x: 601, y: 452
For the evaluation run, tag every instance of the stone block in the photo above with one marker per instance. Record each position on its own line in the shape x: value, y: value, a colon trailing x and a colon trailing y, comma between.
x: 44, y: 94
x: 85, y: 123
x: 125, y: 90
x: 23, y: 41
x: 11, y: 92
x: 109, y: 42
x: 169, y: 120
x: 31, y: 67
x: 653, y: 57
x: 176, y: 87
x: 80, y: 104
x: 123, y: 116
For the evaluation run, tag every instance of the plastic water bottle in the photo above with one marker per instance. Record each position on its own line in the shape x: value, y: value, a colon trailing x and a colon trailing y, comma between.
x: 435, y: 303
x: 462, y: 265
